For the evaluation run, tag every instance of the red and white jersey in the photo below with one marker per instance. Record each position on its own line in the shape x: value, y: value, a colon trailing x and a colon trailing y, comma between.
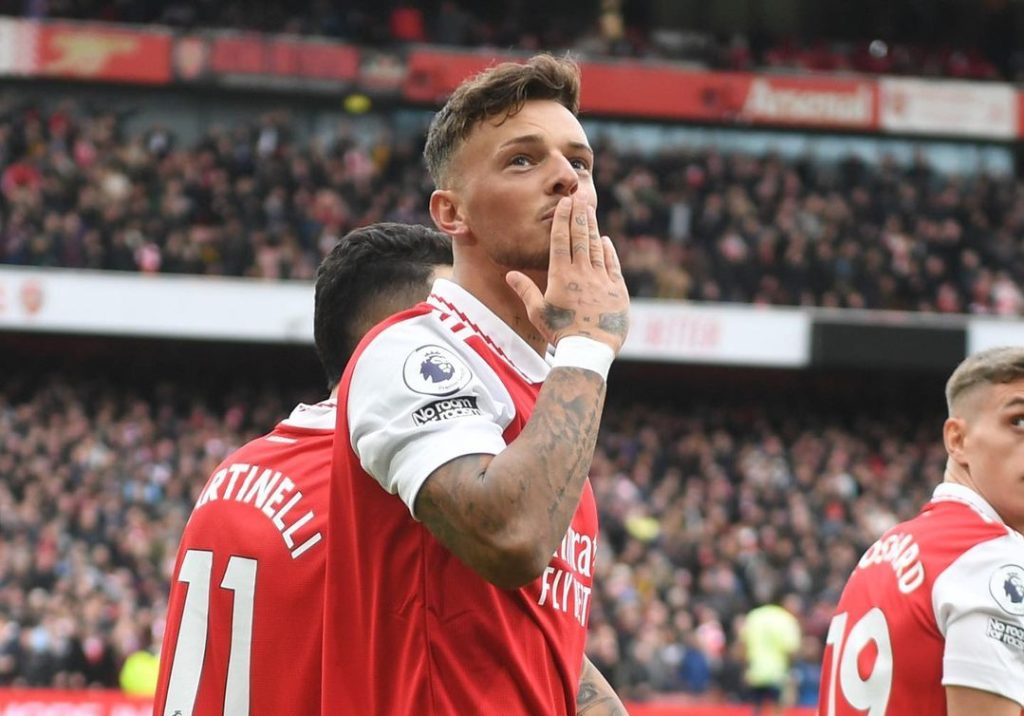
x: 245, y: 616
x: 937, y: 601
x: 409, y: 629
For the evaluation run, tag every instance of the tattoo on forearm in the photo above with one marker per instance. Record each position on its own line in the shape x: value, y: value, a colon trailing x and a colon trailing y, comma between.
x: 592, y: 700
x: 558, y: 318
x: 615, y: 323
x: 464, y: 498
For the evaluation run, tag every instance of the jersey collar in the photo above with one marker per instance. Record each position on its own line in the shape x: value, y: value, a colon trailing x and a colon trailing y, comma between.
x: 450, y: 298
x: 952, y: 492
x: 321, y: 416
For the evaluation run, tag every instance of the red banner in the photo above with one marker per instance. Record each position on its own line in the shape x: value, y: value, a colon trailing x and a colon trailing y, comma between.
x: 103, y: 53
x: 260, y: 57
x: 667, y: 92
x: 44, y: 702
x: 627, y: 88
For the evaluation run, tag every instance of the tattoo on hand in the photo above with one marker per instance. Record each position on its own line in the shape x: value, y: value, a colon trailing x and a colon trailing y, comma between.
x: 615, y: 323
x: 581, y: 220
x: 558, y: 318
x: 574, y: 287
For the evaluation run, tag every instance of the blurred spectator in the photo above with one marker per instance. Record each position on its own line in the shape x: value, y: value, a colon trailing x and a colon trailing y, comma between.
x: 806, y: 673
x: 771, y: 637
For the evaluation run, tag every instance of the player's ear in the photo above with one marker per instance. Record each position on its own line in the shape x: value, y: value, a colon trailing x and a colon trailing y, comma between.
x: 954, y: 433
x: 446, y: 211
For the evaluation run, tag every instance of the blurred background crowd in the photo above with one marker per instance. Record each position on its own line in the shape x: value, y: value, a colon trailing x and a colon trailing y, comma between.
x: 78, y: 190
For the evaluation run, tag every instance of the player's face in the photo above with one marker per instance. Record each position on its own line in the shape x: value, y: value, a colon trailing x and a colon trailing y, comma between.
x: 511, y: 174
x: 994, y: 448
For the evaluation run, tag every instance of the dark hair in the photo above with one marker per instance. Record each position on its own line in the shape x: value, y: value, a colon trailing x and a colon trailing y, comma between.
x: 502, y: 89
x: 368, y: 264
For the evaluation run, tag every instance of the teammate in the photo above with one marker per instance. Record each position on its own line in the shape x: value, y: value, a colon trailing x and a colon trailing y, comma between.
x: 932, y: 619
x: 244, y: 624
x: 461, y: 560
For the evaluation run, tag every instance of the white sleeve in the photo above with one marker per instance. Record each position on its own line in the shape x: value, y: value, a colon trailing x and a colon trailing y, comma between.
x: 979, y: 608
x: 416, y: 401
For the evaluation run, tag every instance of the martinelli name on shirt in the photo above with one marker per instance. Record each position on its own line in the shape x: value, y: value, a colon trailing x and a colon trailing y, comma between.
x: 265, y: 489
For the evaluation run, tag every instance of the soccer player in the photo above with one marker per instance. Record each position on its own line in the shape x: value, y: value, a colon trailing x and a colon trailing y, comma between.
x: 464, y: 530
x: 932, y: 619
x: 244, y: 623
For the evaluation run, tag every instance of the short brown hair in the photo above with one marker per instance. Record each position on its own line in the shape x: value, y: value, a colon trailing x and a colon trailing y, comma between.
x: 498, y: 90
x: 995, y: 365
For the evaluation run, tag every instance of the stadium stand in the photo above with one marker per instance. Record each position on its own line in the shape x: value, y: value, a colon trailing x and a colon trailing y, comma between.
x: 80, y: 191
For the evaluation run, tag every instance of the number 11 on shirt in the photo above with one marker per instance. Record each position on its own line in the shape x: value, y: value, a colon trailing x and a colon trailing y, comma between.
x: 865, y: 693
x: 190, y: 649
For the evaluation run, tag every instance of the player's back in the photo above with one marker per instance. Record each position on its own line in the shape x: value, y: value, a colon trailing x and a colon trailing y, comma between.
x: 245, y: 614
x: 914, y: 589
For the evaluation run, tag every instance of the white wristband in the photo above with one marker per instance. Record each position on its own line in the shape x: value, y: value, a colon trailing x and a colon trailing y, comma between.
x: 583, y: 352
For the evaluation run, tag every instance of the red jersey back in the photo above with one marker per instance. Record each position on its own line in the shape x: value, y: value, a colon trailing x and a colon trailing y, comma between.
x: 926, y: 608
x: 409, y: 629
x: 245, y: 614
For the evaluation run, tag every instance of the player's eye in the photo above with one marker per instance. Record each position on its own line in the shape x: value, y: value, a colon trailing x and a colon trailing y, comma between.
x: 520, y: 160
x: 1017, y: 421
x: 580, y: 165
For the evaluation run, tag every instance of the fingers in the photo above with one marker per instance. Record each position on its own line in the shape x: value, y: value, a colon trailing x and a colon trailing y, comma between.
x: 579, y: 231
x: 595, y: 245
x: 611, y: 259
x: 561, y: 253
x: 527, y: 291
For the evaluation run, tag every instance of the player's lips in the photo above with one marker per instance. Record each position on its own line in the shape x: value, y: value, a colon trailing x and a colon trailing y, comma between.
x: 549, y: 214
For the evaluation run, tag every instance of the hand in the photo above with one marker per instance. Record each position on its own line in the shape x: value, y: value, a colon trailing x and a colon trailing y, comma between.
x: 586, y: 295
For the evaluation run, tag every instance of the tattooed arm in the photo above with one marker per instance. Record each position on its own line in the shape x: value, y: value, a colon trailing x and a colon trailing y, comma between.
x: 596, y: 696
x: 504, y: 515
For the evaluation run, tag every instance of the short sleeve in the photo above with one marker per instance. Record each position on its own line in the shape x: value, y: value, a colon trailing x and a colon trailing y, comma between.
x: 979, y: 608
x: 417, y: 400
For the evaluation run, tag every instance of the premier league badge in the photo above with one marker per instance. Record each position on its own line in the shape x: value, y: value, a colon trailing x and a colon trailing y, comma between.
x: 1007, y: 587
x: 433, y: 370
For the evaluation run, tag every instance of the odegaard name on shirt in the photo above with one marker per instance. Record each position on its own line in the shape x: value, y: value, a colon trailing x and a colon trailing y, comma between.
x: 264, y: 489
x: 901, y: 552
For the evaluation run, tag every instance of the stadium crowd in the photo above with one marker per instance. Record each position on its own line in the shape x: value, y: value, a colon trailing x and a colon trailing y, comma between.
x: 78, y: 190
x: 706, y: 510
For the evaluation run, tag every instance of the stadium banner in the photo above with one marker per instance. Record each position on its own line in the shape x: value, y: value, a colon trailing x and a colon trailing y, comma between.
x: 103, y: 53
x: 670, y: 331
x: 984, y: 333
x: 824, y: 102
x: 282, y: 62
x: 948, y: 108
x: 109, y: 303
x: 46, y: 702
x: 664, y: 91
x: 232, y: 309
